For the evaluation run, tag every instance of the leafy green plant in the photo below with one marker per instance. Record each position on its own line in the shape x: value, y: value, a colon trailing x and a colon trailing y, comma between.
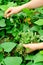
x: 8, y: 46
x: 22, y: 28
x: 12, y: 60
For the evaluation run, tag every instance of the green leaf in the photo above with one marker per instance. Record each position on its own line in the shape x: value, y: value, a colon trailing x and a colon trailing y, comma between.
x: 41, y: 32
x: 40, y: 63
x: 11, y: 4
x: 29, y: 63
x: 8, y: 46
x: 38, y: 58
x: 12, y: 60
x: 0, y: 63
x: 41, y: 52
x: 35, y: 28
x: 1, y: 14
x: 0, y: 1
x: 39, y: 22
x: 41, y: 38
x: 40, y: 10
x: 1, y: 57
x: 29, y: 57
x: 2, y: 23
x: 3, y: 7
x: 1, y: 49
x: 27, y: 11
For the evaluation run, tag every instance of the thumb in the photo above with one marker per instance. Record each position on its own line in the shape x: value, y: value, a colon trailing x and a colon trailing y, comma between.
x: 9, y: 14
x: 26, y: 45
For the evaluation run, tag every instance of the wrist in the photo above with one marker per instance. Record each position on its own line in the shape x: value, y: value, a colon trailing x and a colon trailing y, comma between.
x: 21, y: 7
x: 40, y: 46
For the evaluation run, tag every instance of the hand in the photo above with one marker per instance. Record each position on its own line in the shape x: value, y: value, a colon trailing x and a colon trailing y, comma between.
x: 12, y: 10
x: 32, y: 47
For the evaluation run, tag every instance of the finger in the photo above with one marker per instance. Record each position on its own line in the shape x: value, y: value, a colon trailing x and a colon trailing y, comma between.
x: 7, y: 11
x: 9, y: 14
x: 26, y: 45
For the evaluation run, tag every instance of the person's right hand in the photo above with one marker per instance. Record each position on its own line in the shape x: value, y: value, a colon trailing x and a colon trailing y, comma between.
x: 32, y: 47
x: 12, y: 10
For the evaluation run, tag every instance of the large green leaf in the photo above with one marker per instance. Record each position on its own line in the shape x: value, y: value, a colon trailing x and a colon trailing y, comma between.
x: 38, y: 58
x: 8, y: 46
x: 35, y: 28
x: 31, y: 63
x: 2, y: 23
x: 41, y: 32
x: 3, y: 7
x: 40, y: 10
x: 12, y: 61
x: 39, y: 22
x: 40, y: 63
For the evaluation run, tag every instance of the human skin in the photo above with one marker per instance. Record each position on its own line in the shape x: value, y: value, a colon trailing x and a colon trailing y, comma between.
x: 33, y: 46
x: 30, y: 5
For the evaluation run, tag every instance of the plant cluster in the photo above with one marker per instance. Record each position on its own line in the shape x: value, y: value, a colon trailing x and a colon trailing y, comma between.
x: 22, y: 28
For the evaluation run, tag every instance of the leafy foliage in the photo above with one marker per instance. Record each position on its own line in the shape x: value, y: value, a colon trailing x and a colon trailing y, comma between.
x: 22, y: 28
x: 12, y: 60
x: 8, y: 46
